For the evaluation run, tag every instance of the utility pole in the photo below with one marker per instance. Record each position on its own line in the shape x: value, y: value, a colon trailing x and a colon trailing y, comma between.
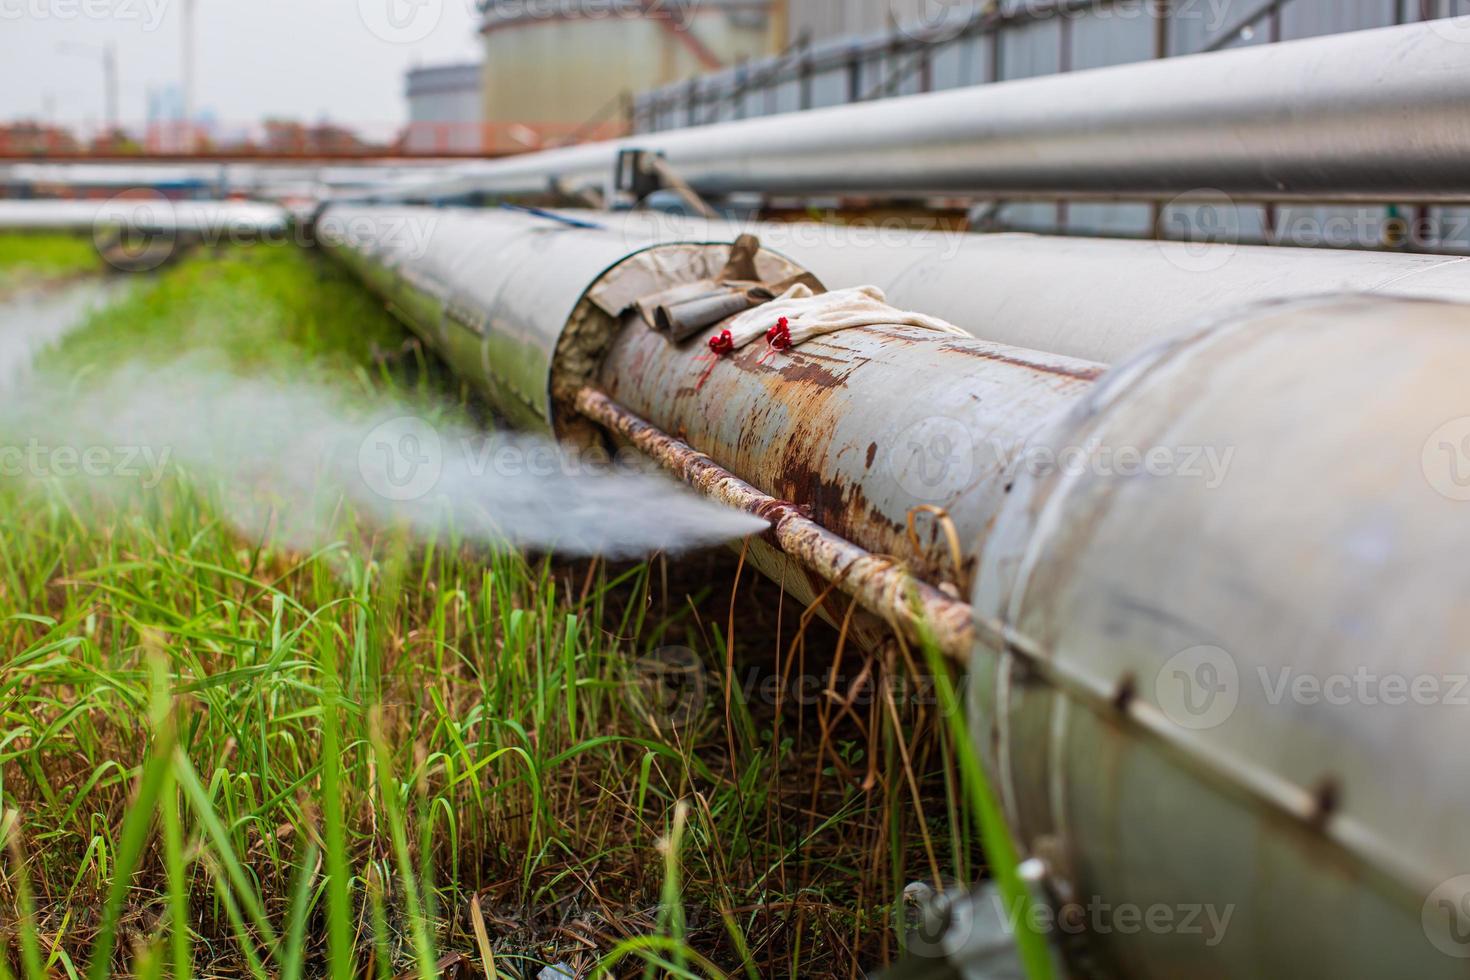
x: 107, y: 54
x: 109, y: 70
x: 187, y: 32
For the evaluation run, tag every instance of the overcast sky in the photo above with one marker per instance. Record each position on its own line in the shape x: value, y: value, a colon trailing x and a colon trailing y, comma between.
x: 299, y: 59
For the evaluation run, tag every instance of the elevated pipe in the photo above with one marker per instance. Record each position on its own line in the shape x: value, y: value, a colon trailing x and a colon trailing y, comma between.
x: 1365, y: 116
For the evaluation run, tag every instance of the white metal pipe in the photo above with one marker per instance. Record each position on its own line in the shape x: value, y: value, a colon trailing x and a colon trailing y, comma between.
x: 152, y: 212
x: 1371, y: 115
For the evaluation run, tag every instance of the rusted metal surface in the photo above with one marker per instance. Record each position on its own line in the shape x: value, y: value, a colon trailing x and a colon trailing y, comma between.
x: 492, y: 291
x: 1137, y: 694
x: 881, y: 585
x: 860, y: 427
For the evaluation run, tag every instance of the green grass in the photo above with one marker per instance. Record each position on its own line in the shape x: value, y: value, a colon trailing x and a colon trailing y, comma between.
x: 45, y: 255
x: 219, y: 755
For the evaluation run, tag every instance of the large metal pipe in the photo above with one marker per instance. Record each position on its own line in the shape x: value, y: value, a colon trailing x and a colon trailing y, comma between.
x: 1137, y: 598
x: 1371, y: 115
x: 148, y: 212
x: 1098, y: 299
x: 532, y: 310
x: 1237, y: 697
x: 1089, y: 298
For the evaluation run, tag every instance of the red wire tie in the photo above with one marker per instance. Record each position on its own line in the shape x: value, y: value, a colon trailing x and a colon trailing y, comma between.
x: 722, y: 344
x: 719, y: 345
x: 778, y: 338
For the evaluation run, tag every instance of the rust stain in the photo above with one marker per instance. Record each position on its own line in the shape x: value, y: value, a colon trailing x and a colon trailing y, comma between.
x: 803, y: 371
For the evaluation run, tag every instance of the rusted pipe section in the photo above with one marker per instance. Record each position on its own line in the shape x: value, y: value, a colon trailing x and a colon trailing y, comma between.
x: 881, y: 585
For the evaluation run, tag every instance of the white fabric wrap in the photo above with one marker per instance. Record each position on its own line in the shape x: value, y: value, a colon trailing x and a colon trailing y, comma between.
x: 809, y: 315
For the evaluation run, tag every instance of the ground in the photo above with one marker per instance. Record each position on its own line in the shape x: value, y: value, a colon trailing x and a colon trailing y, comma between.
x: 225, y: 754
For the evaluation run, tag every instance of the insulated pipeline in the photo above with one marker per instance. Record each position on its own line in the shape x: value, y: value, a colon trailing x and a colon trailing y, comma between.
x: 1371, y: 115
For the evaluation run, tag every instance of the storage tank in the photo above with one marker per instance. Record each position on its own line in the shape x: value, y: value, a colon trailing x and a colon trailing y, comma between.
x: 583, y: 55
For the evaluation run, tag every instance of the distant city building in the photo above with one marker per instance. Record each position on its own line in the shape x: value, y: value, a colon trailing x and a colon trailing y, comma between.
x: 445, y: 110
